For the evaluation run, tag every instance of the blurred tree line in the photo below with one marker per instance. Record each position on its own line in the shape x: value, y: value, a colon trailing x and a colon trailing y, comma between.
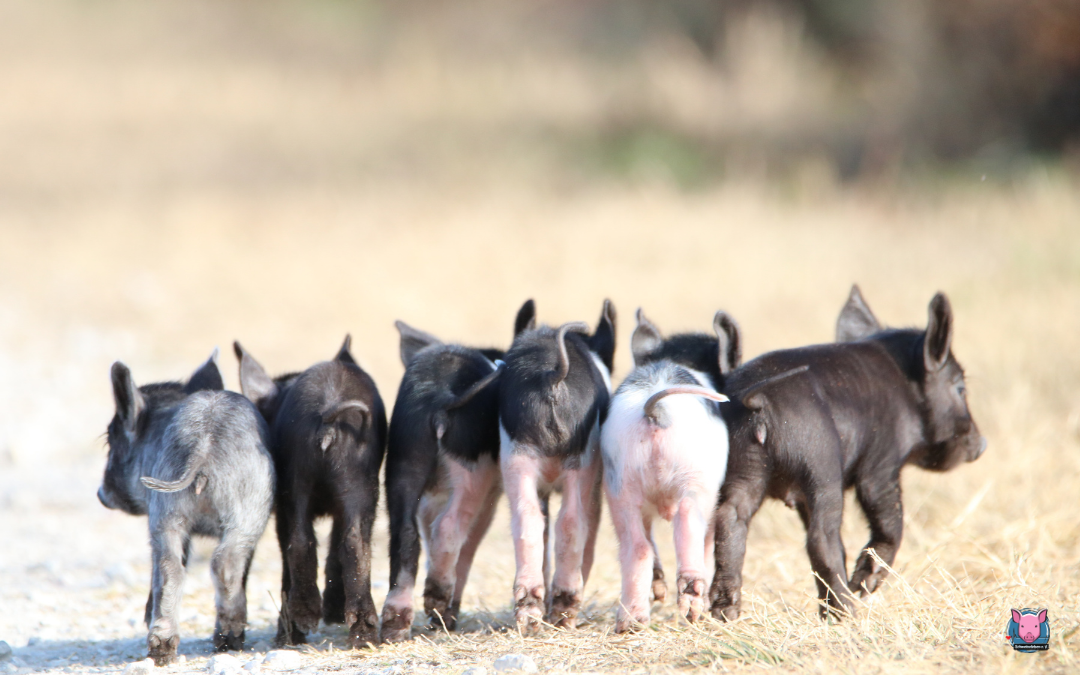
x: 924, y: 80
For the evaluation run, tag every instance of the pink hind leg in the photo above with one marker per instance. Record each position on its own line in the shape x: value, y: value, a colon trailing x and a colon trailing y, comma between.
x: 690, y: 526
x: 520, y: 476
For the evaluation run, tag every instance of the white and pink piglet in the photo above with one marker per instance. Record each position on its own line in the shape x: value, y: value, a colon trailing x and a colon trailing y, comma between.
x: 665, y: 446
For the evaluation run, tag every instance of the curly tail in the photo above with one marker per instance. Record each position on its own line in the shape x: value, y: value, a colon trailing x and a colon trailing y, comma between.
x: 440, y: 420
x: 564, y: 358
x: 477, y: 387
x: 191, y: 475
x: 328, y: 430
x: 654, y: 400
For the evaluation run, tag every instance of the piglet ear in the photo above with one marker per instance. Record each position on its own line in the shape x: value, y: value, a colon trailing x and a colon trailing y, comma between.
x: 412, y: 341
x: 208, y: 376
x: 730, y: 339
x: 255, y: 384
x: 645, y: 339
x: 343, y: 355
x: 856, y: 321
x: 602, y: 342
x: 526, y: 318
x: 1016, y: 615
x: 129, y: 400
x: 938, y: 333
x: 1042, y: 616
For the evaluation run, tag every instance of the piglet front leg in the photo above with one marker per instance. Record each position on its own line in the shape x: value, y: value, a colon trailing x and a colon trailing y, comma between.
x: 520, y: 474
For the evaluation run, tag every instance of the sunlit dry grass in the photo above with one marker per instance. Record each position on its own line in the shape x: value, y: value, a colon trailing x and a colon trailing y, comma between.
x: 182, y: 244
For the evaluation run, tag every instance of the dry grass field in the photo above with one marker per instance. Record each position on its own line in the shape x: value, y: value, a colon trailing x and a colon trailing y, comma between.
x: 175, y: 177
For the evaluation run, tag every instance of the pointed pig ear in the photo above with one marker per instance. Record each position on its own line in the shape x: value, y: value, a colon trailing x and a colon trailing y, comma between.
x: 730, y: 342
x: 602, y: 342
x: 526, y: 318
x: 938, y: 333
x: 1016, y: 615
x: 255, y: 384
x: 343, y: 355
x: 1042, y: 616
x: 208, y: 376
x: 645, y: 339
x: 856, y: 321
x: 129, y: 400
x: 412, y: 341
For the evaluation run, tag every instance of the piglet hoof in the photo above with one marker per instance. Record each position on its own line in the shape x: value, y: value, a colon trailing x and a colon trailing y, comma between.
x: 287, y: 636
x: 363, y: 630
x: 565, y: 606
x: 725, y: 611
x: 228, y: 641
x: 305, y: 612
x: 437, y: 605
x: 627, y: 623
x: 529, y: 609
x: 396, y: 623
x: 162, y: 651
x: 691, y: 597
x: 835, y: 610
x: 659, y: 588
x: 866, y: 581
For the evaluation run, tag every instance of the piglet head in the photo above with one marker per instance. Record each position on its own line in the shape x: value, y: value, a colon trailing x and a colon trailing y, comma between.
x: 1029, y: 625
x: 122, y: 435
x: 953, y: 435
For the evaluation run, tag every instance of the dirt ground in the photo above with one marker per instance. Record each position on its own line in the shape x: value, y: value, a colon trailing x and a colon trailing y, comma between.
x: 174, y: 183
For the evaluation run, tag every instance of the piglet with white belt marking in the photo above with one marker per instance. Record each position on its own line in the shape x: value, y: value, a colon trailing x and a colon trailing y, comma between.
x: 442, y: 472
x: 553, y: 395
x: 665, y: 448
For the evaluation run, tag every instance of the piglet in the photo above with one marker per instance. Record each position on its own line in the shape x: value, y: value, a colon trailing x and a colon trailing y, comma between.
x: 328, y: 429
x: 442, y: 472
x: 664, y: 446
x: 806, y: 424
x: 553, y: 397
x: 195, y: 459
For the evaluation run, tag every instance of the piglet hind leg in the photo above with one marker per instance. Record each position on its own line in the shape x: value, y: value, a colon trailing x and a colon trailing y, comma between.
x: 450, y: 533
x: 229, y: 567
x: 404, y: 497
x: 477, y: 531
x: 636, y: 552
x: 659, y: 586
x: 167, y: 546
x: 303, y: 604
x: 288, y: 633
x: 822, y: 515
x: 519, y: 473
x: 690, y: 524
x: 360, y: 615
x: 740, y: 498
x: 333, y: 596
x: 880, y: 501
x: 572, y: 533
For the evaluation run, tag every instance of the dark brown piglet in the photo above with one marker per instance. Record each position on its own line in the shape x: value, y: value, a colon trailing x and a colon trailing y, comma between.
x: 809, y: 423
